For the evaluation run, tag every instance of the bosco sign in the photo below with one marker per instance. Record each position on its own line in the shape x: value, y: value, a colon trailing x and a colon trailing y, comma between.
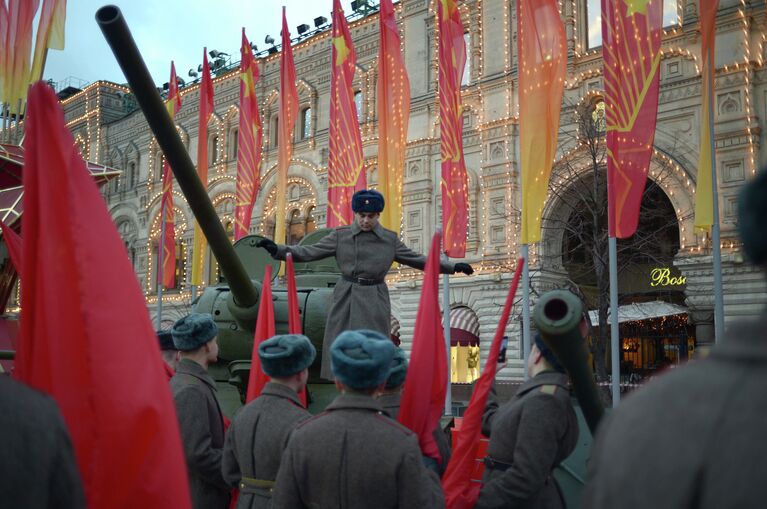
x: 661, y: 276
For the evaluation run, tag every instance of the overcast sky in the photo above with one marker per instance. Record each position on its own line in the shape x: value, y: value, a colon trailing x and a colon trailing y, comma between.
x: 176, y: 30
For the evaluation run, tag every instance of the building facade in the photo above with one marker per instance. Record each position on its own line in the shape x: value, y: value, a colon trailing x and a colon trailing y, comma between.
x: 110, y: 131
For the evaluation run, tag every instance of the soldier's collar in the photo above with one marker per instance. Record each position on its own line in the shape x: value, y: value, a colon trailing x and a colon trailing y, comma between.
x: 189, y: 367
x: 355, y: 401
x: 378, y: 230
x: 544, y: 378
x: 282, y: 391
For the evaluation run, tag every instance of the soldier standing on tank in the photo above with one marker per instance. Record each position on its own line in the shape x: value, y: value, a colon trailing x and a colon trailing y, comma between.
x: 391, y: 399
x: 352, y: 455
x: 694, y: 437
x: 199, y: 415
x: 529, y: 436
x: 365, y: 251
x: 260, y: 431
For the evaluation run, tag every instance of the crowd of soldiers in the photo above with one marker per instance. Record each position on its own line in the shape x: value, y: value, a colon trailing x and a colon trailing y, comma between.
x: 693, y: 438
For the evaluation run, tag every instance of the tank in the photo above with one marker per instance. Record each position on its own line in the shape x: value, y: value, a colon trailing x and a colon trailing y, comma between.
x: 233, y: 304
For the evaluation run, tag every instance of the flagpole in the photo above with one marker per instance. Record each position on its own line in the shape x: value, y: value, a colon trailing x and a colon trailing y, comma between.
x: 446, y: 329
x: 718, y: 287
x: 614, y: 333
x: 526, y: 305
x: 160, y: 267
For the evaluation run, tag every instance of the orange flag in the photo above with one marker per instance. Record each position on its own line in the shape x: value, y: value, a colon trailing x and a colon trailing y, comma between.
x: 206, y: 109
x: 103, y: 368
x: 294, y: 314
x: 345, y: 173
x: 460, y: 492
x: 704, y: 191
x: 287, y: 119
x: 168, y: 254
x: 631, y: 33
x: 50, y: 34
x: 17, y: 48
x: 13, y: 244
x: 542, y: 66
x: 423, y: 396
x: 249, y: 137
x: 452, y: 59
x: 264, y: 330
x: 393, y: 91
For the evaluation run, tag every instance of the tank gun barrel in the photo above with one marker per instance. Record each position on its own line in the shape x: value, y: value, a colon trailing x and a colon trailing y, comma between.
x: 558, y: 314
x: 117, y: 34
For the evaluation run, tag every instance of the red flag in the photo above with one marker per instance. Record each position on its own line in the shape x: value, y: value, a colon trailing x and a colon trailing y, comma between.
x: 168, y: 252
x: 206, y: 108
x: 345, y: 173
x: 50, y: 34
x: 631, y: 33
x: 423, y: 397
x: 17, y: 48
x: 294, y: 315
x: 460, y: 492
x: 393, y: 91
x: 542, y: 65
x: 287, y: 119
x: 103, y: 368
x: 452, y: 59
x: 13, y: 244
x: 264, y: 330
x: 249, y: 137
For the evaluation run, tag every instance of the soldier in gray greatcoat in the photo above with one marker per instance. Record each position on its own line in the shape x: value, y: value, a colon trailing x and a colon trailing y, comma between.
x: 365, y: 251
x: 37, y: 465
x: 529, y: 436
x: 391, y: 399
x: 694, y: 437
x: 352, y: 455
x: 260, y: 431
x: 199, y: 415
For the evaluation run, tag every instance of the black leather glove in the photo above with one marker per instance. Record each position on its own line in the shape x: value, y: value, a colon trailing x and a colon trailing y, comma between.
x: 269, y: 245
x: 463, y: 267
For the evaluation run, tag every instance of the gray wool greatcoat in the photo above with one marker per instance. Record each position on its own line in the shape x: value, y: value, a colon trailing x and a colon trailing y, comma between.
x: 256, y: 439
x: 37, y: 464
x: 533, y: 432
x: 202, y: 434
x: 352, y: 456
x: 390, y: 402
x: 693, y: 437
x: 359, y: 254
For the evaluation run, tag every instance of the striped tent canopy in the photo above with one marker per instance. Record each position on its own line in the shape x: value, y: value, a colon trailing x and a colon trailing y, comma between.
x: 464, y: 327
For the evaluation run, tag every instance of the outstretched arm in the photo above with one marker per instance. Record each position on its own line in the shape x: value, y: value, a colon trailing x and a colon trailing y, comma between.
x: 325, y: 248
x: 407, y: 256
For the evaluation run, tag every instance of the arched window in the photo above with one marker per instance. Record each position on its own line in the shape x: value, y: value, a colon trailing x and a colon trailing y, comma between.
x: 466, y: 79
x: 157, y: 170
x: 132, y: 175
x: 594, y: 20
x: 213, y: 150
x: 295, y: 227
x: 233, y: 142
x: 310, y: 224
x: 358, y: 103
x: 274, y: 131
x: 306, y: 123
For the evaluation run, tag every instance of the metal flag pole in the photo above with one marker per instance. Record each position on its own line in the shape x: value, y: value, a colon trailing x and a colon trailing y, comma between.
x: 526, y: 305
x: 614, y: 333
x: 718, y: 287
x: 6, y: 113
x: 18, y: 122
x: 160, y: 267
x: 446, y: 330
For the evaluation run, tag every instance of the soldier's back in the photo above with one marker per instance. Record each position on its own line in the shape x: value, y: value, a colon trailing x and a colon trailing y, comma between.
x: 693, y: 437
x: 353, y: 456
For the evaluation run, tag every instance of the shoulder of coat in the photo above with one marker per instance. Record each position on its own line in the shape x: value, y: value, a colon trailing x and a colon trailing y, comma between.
x: 549, y: 389
x: 310, y: 419
x: 393, y: 424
